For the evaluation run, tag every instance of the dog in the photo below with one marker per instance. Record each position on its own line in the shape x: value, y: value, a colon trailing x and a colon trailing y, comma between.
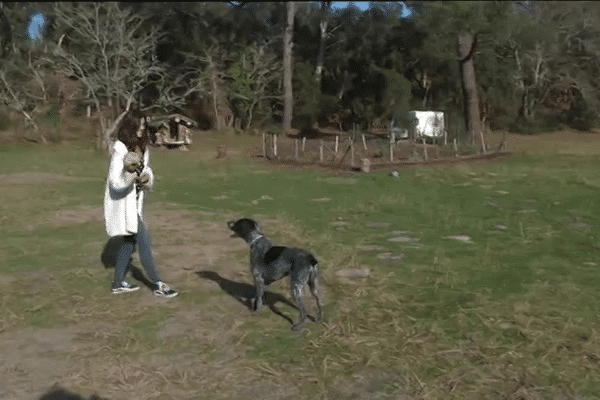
x: 270, y: 263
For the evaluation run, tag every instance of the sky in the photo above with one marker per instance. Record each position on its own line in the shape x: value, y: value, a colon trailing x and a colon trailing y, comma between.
x: 36, y: 25
x: 362, y: 5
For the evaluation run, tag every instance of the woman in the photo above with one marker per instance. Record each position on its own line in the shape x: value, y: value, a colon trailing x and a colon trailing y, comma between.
x: 129, y: 176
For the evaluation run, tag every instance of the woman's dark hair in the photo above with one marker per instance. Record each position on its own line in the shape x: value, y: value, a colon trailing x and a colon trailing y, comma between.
x: 127, y: 132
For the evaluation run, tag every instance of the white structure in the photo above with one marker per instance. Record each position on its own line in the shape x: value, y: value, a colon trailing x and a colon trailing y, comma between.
x: 428, y: 123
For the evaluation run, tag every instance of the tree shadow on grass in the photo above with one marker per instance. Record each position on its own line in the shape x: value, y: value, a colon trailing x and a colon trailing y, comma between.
x: 244, y: 293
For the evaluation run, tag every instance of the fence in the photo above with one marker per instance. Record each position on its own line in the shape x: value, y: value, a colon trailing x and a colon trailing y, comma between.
x: 350, y: 147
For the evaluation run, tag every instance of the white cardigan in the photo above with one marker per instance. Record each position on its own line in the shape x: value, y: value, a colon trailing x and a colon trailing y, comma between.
x: 120, y: 207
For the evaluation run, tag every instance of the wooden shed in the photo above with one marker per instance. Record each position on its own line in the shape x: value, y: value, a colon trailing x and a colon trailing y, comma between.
x: 171, y: 131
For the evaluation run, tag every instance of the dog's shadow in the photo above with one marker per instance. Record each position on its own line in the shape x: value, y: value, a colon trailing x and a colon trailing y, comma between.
x: 245, y: 293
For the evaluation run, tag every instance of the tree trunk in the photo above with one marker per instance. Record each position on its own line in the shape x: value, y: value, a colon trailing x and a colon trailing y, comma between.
x: 288, y: 100
x: 321, y: 55
x: 467, y: 43
x: 215, y: 92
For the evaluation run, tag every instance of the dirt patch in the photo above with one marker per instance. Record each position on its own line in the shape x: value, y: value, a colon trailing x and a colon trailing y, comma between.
x: 368, y: 384
x: 79, y: 359
x: 185, y: 244
x: 28, y: 357
x: 79, y: 216
x: 36, y: 178
x: 561, y: 142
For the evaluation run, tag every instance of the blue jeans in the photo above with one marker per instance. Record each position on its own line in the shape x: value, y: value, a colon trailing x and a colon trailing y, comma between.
x: 119, y: 249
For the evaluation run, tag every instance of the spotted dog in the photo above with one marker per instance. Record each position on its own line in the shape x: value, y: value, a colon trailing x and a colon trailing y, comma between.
x: 270, y: 263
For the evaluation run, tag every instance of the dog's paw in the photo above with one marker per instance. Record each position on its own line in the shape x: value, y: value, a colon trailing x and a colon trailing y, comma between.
x: 255, y: 307
x: 298, y: 327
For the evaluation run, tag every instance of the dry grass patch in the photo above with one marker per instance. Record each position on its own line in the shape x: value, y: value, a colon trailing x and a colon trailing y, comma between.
x: 38, y: 178
x: 562, y: 142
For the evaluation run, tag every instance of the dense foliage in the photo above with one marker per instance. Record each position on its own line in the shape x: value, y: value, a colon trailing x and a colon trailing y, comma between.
x: 536, y: 63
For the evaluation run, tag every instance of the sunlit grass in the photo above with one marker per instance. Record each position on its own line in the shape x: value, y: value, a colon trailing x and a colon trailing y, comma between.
x: 515, y: 308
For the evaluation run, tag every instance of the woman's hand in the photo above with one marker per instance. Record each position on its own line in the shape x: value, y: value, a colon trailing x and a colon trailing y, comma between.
x: 144, y: 181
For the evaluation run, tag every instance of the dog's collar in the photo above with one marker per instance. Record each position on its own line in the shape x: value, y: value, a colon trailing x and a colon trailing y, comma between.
x: 254, y: 240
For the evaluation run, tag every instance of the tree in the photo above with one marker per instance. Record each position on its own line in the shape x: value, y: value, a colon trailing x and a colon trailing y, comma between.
x: 204, y: 41
x: 104, y: 47
x: 529, y: 41
x: 466, y: 44
x: 466, y: 22
x: 574, y: 61
x: 5, y: 32
x: 287, y: 67
x: 324, y: 21
x: 249, y: 78
x: 24, y: 88
x: 371, y: 82
x: 211, y: 80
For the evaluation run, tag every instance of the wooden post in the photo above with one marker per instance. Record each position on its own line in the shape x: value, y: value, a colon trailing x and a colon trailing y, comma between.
x: 337, y: 139
x: 366, y: 165
x: 455, y: 148
x: 483, y: 142
x: 221, y: 151
x: 296, y: 149
x: 364, y: 142
x: 424, y: 147
x: 274, y: 145
x: 303, y: 143
x: 392, y: 146
x: 481, y: 134
x: 264, y: 145
x: 320, y: 150
x: 351, y: 152
x: 352, y: 139
x: 502, y: 145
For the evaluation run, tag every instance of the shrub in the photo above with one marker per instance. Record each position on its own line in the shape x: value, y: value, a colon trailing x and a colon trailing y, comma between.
x: 4, y: 121
x: 582, y: 117
x: 532, y: 127
x: 51, y: 119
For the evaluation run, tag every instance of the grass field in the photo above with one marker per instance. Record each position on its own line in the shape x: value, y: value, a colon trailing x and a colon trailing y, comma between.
x: 483, y: 280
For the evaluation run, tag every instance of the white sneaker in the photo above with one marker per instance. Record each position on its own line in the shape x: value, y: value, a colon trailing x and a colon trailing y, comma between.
x: 164, y: 290
x: 124, y: 287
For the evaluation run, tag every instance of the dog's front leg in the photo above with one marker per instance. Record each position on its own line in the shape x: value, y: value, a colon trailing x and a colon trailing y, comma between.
x: 260, y: 289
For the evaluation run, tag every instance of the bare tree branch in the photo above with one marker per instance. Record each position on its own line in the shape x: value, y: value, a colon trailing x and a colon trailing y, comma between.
x: 110, y: 53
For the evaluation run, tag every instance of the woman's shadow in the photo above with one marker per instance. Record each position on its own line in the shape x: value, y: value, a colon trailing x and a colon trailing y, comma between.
x: 108, y: 258
x: 245, y: 293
